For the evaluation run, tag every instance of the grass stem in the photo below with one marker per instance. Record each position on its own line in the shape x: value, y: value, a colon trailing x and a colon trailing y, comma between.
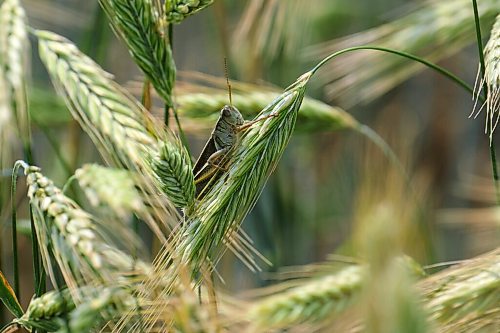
x: 15, y: 257
x: 429, y: 64
x: 485, y: 90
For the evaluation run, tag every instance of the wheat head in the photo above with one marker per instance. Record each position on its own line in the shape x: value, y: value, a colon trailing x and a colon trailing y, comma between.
x: 177, y: 10
x: 492, y: 78
x: 14, y: 61
x: 217, y: 217
x: 138, y: 24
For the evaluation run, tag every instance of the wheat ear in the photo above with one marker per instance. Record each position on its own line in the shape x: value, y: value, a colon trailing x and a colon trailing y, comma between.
x: 105, y: 112
x: 80, y: 247
x: 313, y: 116
x: 172, y: 166
x: 44, y: 312
x: 14, y: 61
x: 121, y: 129
x: 217, y: 217
x: 311, y: 302
x: 464, y: 292
x: 492, y: 78
x: 177, y: 10
x: 110, y: 187
x: 138, y: 24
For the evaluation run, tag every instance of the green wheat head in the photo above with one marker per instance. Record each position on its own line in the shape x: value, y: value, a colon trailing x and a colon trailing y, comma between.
x: 138, y: 23
x: 313, y: 301
x: 14, y: 62
x: 216, y: 218
x: 110, y: 187
x: 120, y: 128
x: 80, y: 247
x: 177, y: 10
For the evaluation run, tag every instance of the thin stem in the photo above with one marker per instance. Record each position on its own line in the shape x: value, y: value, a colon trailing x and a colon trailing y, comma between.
x: 170, y: 34
x: 14, y: 229
x: 493, y: 157
x: 146, y: 95
x: 384, y: 147
x: 435, y: 67
x: 10, y: 328
x: 172, y: 107
x: 59, y: 155
x: 36, y: 256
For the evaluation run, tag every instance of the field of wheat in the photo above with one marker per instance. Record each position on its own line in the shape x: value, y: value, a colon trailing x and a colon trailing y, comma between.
x: 249, y: 166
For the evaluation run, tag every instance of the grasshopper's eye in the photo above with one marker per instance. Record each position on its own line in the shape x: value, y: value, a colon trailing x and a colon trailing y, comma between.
x: 226, y: 111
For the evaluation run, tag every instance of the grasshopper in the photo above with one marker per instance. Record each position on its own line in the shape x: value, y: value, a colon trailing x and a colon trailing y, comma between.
x: 216, y: 153
x: 214, y: 156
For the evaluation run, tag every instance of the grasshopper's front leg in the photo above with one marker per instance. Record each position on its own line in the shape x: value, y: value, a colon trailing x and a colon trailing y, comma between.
x: 248, y: 124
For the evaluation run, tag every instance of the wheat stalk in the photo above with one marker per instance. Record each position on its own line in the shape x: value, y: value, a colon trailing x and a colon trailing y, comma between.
x: 465, y: 291
x: 80, y: 247
x: 14, y: 57
x: 105, y: 305
x: 177, y: 10
x: 433, y: 30
x: 492, y: 78
x: 44, y: 312
x: 57, y: 311
x: 111, y: 187
x: 218, y: 216
x: 105, y: 112
x: 313, y: 301
x: 199, y: 102
x: 138, y: 24
x: 174, y: 160
x: 118, y: 125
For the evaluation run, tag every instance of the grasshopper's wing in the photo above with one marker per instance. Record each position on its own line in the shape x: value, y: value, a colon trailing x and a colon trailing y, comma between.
x: 207, y: 151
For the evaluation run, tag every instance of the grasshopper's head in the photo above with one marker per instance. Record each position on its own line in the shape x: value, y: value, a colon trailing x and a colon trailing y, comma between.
x: 232, y: 115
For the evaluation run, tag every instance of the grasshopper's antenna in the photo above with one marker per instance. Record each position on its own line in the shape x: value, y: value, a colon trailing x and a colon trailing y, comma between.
x: 228, y: 84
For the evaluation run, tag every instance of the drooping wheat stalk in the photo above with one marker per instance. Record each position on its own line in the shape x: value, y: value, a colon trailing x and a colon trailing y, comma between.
x: 110, y: 187
x: 433, y: 30
x: 314, y: 301
x: 14, y: 57
x: 177, y: 10
x: 313, y: 116
x: 138, y: 24
x: 72, y: 236
x: 201, y: 96
x: 121, y: 129
x: 106, y: 113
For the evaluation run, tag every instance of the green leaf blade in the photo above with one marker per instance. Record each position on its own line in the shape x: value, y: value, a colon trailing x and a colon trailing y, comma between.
x: 9, y: 298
